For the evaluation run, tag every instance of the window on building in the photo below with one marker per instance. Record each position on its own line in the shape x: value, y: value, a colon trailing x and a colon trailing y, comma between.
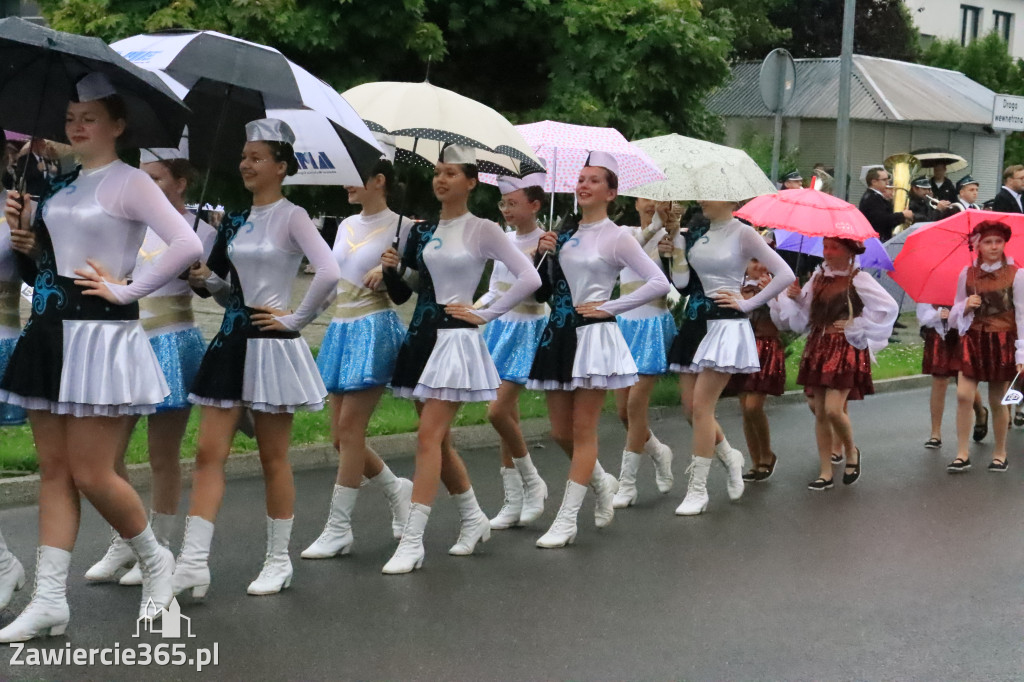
x: 970, y: 24
x: 1002, y: 24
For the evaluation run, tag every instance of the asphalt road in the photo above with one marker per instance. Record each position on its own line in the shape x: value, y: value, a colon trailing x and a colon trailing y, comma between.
x: 912, y: 574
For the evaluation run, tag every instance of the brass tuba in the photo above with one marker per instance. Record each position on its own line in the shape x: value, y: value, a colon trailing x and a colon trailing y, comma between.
x: 902, y: 168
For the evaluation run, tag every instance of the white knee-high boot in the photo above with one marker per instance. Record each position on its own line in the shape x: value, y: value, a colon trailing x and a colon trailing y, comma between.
x: 163, y: 528
x: 47, y: 613
x: 475, y: 526
x: 192, y: 569
x: 409, y: 555
x: 563, y: 530
x: 277, y: 566
x: 337, y: 537
x: 12, y: 574
x: 696, y: 500
x: 398, y: 491
x: 157, y: 565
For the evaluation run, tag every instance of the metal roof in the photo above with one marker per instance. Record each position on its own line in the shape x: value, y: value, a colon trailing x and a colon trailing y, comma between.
x: 881, y: 90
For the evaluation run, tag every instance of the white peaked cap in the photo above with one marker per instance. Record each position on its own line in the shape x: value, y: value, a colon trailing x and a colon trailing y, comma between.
x: 508, y: 183
x: 151, y: 154
x: 602, y: 160
x: 94, y: 86
x: 457, y: 153
x: 387, y: 144
x: 269, y: 130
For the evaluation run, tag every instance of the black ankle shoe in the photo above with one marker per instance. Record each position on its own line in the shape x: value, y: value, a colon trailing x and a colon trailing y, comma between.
x: 820, y: 484
x: 850, y: 477
x: 750, y: 476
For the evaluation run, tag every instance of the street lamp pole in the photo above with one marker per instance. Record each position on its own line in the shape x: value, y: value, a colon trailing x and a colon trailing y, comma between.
x: 843, y: 114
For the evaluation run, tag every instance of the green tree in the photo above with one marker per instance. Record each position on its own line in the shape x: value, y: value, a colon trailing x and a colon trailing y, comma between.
x: 755, y: 32
x: 884, y: 28
x: 987, y: 61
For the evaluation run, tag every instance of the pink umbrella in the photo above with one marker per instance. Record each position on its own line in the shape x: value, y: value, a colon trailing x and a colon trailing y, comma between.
x: 808, y: 212
x: 564, y: 148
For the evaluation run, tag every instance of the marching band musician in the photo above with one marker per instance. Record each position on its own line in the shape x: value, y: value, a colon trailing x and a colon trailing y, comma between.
x: 922, y: 202
x: 876, y: 204
x: 942, y: 187
x: 967, y: 193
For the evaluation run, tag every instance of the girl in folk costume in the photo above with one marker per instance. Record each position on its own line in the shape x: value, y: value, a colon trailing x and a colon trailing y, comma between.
x: 357, y: 358
x: 83, y: 366
x: 444, y: 361
x: 166, y: 315
x: 12, y: 574
x: 716, y: 340
x: 648, y: 330
x: 849, y: 317
x: 753, y: 389
x: 582, y: 353
x: 258, y: 360
x: 989, y: 314
x: 512, y: 342
x: 942, y: 361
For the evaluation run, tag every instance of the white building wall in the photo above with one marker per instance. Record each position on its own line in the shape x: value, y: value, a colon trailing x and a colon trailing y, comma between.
x: 943, y: 19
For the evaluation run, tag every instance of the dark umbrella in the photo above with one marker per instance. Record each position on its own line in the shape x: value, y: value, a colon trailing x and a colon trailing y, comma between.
x: 40, y: 67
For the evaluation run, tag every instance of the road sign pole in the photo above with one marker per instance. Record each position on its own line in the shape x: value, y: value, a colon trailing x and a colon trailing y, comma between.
x: 1002, y: 158
x: 843, y: 114
x: 777, y: 141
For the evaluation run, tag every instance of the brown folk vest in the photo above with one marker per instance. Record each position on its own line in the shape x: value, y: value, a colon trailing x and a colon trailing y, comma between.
x: 996, y: 291
x: 832, y: 297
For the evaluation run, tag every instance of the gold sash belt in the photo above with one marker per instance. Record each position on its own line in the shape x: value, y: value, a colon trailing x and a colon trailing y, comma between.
x: 10, y: 297
x: 527, y: 307
x: 356, y: 301
x: 156, y: 312
x: 629, y: 287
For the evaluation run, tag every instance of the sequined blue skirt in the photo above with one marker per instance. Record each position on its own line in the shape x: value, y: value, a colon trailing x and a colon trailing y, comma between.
x: 179, y: 354
x: 359, y: 354
x: 513, y: 344
x: 649, y: 340
x: 10, y: 415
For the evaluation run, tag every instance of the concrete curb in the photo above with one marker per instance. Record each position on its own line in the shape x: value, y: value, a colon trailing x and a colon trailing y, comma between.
x: 24, y: 490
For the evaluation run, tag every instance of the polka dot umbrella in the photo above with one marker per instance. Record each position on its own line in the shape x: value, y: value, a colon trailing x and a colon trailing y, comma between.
x: 697, y: 170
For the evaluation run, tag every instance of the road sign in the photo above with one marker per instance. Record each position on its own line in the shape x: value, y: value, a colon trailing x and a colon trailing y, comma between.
x: 1008, y: 113
x: 777, y: 80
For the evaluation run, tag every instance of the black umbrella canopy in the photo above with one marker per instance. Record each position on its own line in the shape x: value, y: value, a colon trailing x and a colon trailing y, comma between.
x: 40, y: 67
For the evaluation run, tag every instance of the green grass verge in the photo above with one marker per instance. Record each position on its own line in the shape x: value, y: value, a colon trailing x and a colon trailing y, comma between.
x: 394, y: 415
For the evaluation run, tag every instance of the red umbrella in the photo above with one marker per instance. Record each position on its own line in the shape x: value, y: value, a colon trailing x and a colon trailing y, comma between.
x: 932, y: 259
x: 809, y: 212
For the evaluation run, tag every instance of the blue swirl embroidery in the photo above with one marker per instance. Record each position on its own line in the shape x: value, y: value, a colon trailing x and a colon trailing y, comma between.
x: 251, y: 225
x: 435, y: 239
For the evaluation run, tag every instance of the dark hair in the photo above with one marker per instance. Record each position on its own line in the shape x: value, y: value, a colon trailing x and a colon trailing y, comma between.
x: 611, y: 178
x: 180, y: 169
x: 534, y: 193
x: 283, y: 151
x: 114, y: 104
x: 470, y: 170
x: 873, y: 175
x: 393, y: 189
x: 851, y: 245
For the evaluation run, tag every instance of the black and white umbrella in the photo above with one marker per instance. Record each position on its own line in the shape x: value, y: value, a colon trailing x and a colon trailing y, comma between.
x: 228, y: 82
x: 423, y: 118
x: 39, y: 71
x: 929, y: 157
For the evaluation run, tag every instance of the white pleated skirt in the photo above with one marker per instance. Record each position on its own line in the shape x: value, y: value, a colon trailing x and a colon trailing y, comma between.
x: 280, y: 376
x: 602, y: 360
x: 108, y: 369
x: 459, y: 370
x: 729, y: 346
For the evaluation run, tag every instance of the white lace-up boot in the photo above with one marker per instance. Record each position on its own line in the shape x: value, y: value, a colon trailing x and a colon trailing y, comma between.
x: 12, y: 574
x: 732, y: 459
x: 535, y: 490
x: 512, y: 509
x: 409, y: 555
x: 336, y: 537
x: 627, y: 493
x: 696, y: 500
x: 398, y: 492
x: 47, y: 613
x: 662, y: 456
x: 157, y: 565
x: 163, y: 527
x: 119, y: 555
x: 475, y: 526
x: 192, y: 569
x: 276, y: 574
x: 604, y: 486
x: 563, y: 530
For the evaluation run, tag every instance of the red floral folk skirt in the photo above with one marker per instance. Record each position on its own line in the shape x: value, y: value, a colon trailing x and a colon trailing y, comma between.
x: 829, y: 361
x: 941, y: 353
x: 988, y: 356
x: 771, y: 380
